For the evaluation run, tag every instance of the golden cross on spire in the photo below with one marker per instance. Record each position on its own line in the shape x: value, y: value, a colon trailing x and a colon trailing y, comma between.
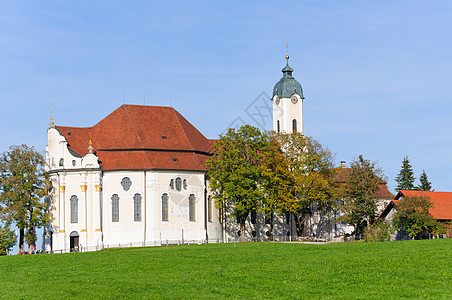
x: 287, y: 52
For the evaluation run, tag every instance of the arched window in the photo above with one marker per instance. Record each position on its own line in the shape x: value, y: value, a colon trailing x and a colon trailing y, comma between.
x: 137, y: 207
x: 171, y: 184
x: 185, y: 184
x: 61, y: 162
x: 165, y: 207
x: 126, y: 183
x: 74, y: 209
x: 115, y: 208
x: 294, y: 125
x: 178, y: 184
x: 209, y: 209
x: 278, y: 126
x: 191, y: 208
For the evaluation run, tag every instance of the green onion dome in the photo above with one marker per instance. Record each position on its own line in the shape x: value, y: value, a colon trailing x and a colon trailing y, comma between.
x: 287, y: 85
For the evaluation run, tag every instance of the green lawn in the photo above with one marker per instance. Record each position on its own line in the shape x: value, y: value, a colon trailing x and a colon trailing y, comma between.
x: 411, y: 269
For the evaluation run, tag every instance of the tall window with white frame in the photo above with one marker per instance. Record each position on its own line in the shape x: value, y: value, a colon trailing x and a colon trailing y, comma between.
x: 294, y: 125
x: 209, y: 208
x: 165, y: 207
x: 191, y: 208
x: 115, y: 208
x: 137, y: 207
x: 74, y: 209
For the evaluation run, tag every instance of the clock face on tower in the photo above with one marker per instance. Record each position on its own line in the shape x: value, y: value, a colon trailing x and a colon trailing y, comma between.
x: 277, y: 100
x: 294, y: 99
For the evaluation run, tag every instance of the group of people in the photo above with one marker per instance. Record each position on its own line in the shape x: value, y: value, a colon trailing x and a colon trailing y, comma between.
x: 32, y: 252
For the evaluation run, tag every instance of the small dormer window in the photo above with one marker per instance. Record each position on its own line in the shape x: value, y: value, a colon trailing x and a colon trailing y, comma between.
x: 61, y: 162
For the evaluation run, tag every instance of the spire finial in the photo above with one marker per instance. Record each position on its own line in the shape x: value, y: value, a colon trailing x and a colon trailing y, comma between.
x: 52, y: 122
x: 90, y: 147
x: 287, y: 53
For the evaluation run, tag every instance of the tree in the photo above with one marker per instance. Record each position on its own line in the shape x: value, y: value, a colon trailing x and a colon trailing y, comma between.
x: 7, y: 239
x: 425, y: 185
x: 358, y: 203
x: 238, y: 171
x: 405, y: 179
x: 23, y: 185
x: 412, y: 214
x: 310, y: 175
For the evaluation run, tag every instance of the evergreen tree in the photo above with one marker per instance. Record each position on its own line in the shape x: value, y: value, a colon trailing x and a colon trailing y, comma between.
x: 405, y: 179
x: 425, y: 185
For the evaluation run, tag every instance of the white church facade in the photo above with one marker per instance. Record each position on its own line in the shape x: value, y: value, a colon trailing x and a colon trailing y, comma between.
x: 135, y: 178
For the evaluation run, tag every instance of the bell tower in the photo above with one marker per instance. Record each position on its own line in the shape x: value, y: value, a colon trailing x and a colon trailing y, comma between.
x: 287, y: 103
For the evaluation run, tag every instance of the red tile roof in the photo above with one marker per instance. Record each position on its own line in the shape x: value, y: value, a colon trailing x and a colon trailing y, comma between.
x: 142, y: 137
x: 382, y: 193
x: 442, y: 202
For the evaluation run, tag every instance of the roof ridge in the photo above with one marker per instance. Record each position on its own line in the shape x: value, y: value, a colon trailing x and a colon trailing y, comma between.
x: 183, y: 128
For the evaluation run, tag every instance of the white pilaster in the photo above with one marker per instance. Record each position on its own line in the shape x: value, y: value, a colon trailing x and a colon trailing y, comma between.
x: 83, y: 221
x: 62, y: 219
x: 97, y: 209
x: 152, y: 211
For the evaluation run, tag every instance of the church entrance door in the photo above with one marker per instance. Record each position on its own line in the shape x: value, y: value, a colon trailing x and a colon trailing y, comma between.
x: 73, y: 241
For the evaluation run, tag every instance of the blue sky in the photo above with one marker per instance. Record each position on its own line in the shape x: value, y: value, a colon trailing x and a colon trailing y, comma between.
x: 376, y: 74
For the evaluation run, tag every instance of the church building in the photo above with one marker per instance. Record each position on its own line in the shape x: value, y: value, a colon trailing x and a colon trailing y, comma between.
x: 135, y: 178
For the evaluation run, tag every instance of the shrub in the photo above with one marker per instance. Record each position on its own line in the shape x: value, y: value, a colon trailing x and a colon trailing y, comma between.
x: 379, y: 232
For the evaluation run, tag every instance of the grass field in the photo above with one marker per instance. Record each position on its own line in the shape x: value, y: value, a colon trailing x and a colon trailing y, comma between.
x: 412, y: 269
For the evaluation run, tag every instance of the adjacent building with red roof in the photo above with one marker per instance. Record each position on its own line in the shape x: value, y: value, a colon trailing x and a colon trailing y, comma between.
x: 441, y: 210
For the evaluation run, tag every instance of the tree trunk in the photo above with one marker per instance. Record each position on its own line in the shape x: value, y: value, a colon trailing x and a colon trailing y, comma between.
x: 242, y: 230
x: 30, y: 242
x: 299, y: 225
x: 271, y: 228
x: 21, y: 239
x: 31, y: 231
